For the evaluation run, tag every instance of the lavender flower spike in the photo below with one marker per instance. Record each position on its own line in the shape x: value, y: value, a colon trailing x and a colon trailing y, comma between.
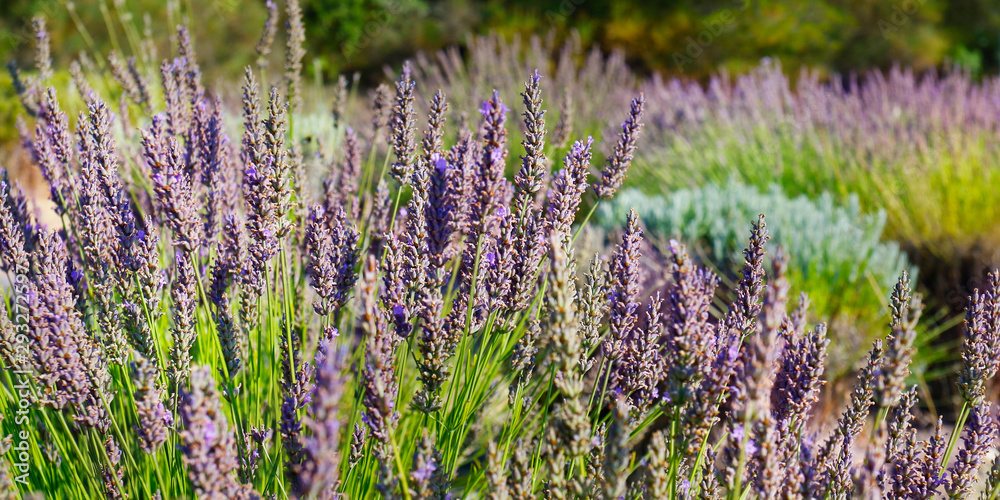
x: 624, y: 298
x: 617, y: 165
x: 332, y: 245
x: 295, y: 51
x: 152, y: 428
x: 172, y: 185
x: 979, y: 363
x: 980, y: 438
x: 431, y: 142
x: 206, y: 442
x: 43, y: 57
x: 267, y: 34
x: 182, y: 292
x: 402, y: 127
x: 378, y: 373
x: 533, y: 163
x: 899, y: 348
x: 317, y: 473
x: 568, y: 187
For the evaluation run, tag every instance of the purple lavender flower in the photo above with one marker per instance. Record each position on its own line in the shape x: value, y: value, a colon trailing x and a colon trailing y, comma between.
x: 295, y: 40
x: 377, y: 372
x: 981, y: 339
x: 380, y: 110
x: 173, y: 186
x: 568, y: 187
x: 178, y: 113
x: 131, y: 80
x: 332, y: 246
x: 12, y: 244
x: 396, y: 284
x: 799, y: 378
x: 296, y: 388
x: 492, y: 161
x: 746, y: 308
x: 533, y: 163
x: 152, y: 414
x: 443, y: 212
x: 339, y: 104
x: 188, y: 69
x: 267, y: 34
x: 528, y: 250
x: 402, y: 125
x: 564, y: 127
x: 899, y: 344
x: 206, y: 442
x: 617, y: 164
x: 340, y: 186
x: 437, y: 345
x: 231, y: 253
x: 112, y: 473
x: 431, y: 143
x: 980, y: 436
x: 43, y: 57
x: 182, y: 293
x: 55, y: 148
x: 214, y: 168
x: 624, y: 298
x: 318, y: 472
x: 70, y: 367
x: 427, y: 474
x: 689, y: 336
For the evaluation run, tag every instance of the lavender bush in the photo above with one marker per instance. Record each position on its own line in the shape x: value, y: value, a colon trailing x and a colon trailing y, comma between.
x: 208, y: 323
x: 918, y: 146
x: 835, y: 254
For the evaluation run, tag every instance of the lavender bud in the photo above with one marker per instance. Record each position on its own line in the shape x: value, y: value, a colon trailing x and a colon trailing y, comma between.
x: 332, y: 246
x: 43, y: 57
x: 377, y: 373
x: 402, y: 126
x: 182, y: 293
x: 152, y: 428
x: 564, y: 127
x: 339, y: 106
x: 617, y: 165
x: 380, y: 110
x: 899, y: 344
x: 318, y: 473
x: 267, y: 34
x: 295, y: 51
x: 568, y: 187
x: 172, y: 185
x: 624, y: 299
x: 533, y: 163
x: 431, y: 143
x: 980, y: 435
x: 427, y: 474
x: 205, y: 440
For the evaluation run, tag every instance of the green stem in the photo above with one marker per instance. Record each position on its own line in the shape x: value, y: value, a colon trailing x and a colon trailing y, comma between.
x: 963, y: 414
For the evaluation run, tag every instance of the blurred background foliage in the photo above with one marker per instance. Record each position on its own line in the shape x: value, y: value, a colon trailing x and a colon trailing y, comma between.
x: 694, y: 38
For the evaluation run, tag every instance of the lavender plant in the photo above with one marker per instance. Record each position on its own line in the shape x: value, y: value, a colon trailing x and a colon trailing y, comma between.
x: 207, y: 322
x: 835, y: 253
